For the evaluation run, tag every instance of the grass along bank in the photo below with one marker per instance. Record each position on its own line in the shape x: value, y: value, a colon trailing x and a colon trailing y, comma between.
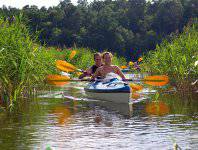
x: 23, y: 64
x: 177, y: 59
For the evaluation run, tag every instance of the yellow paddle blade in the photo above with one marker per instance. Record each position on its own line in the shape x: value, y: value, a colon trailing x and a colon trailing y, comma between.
x: 78, y: 73
x: 57, y: 78
x: 135, y: 87
x: 140, y: 59
x: 65, y: 64
x: 131, y: 63
x: 73, y: 53
x: 156, y: 80
x: 62, y: 68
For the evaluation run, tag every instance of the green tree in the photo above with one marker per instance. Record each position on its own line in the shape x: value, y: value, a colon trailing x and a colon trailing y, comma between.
x: 168, y: 16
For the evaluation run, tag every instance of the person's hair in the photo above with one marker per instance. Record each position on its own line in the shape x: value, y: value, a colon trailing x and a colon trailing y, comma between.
x: 97, y: 54
x: 104, y: 53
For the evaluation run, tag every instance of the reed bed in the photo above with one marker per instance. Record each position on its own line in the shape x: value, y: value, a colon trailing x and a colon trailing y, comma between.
x: 177, y: 58
x: 23, y: 63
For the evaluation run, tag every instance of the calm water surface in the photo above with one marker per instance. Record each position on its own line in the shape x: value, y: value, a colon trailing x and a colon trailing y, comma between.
x: 62, y: 118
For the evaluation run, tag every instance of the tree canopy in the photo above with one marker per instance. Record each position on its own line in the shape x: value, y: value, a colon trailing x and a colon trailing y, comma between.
x: 128, y: 28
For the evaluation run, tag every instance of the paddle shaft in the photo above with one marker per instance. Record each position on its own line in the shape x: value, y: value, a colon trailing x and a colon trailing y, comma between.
x: 78, y: 80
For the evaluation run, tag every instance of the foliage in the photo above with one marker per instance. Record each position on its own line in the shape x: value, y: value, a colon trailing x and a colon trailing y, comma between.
x: 124, y: 27
x: 22, y: 63
x: 176, y: 58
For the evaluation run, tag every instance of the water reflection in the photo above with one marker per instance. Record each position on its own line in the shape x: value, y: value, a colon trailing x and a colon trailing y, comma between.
x: 121, y: 108
x: 63, y: 113
x: 63, y: 118
x: 157, y: 108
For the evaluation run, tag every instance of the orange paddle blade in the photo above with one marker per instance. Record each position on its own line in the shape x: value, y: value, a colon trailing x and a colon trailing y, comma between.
x: 62, y: 68
x: 73, y: 53
x: 156, y: 80
x: 57, y: 78
x: 65, y: 64
x: 56, y: 83
x: 135, y: 87
x: 123, y: 67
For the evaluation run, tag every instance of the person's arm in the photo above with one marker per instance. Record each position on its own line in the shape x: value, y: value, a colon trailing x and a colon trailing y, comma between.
x: 86, y: 73
x: 89, y: 71
x: 96, y: 74
x: 119, y: 72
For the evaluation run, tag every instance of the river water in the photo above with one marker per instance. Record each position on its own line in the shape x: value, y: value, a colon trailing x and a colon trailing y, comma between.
x: 63, y: 118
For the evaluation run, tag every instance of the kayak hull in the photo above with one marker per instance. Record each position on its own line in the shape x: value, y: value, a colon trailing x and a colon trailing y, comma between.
x: 112, y: 97
x: 114, y: 91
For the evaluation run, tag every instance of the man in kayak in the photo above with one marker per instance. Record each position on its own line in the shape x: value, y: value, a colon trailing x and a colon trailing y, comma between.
x: 90, y: 71
x: 107, y: 67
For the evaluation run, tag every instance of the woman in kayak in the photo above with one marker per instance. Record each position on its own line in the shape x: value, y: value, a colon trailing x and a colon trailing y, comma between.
x: 107, y: 67
x: 90, y: 71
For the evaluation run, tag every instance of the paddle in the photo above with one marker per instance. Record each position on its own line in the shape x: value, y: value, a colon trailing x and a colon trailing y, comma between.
x: 54, y: 79
x: 57, y: 83
x: 65, y: 66
x: 72, y: 54
x: 159, y: 80
x: 62, y: 68
x: 57, y: 80
x: 150, y: 80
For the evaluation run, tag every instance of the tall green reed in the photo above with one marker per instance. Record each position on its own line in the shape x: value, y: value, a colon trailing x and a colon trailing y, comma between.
x: 176, y: 58
x: 23, y: 63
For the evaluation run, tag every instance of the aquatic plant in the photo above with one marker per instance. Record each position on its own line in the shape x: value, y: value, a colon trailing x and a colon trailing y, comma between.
x: 176, y: 58
x: 23, y: 63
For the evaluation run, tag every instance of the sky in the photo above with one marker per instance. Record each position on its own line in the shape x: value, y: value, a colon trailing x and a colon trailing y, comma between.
x: 39, y: 3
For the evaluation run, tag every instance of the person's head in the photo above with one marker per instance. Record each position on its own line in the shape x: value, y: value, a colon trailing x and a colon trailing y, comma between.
x: 97, y: 58
x: 107, y: 58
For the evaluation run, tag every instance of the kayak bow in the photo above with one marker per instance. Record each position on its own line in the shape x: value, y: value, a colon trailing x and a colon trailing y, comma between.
x: 114, y: 90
